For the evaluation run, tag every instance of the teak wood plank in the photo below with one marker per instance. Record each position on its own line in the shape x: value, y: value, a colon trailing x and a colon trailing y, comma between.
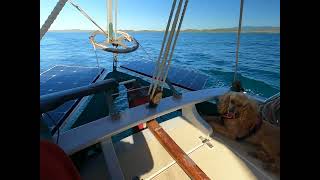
x: 183, y: 160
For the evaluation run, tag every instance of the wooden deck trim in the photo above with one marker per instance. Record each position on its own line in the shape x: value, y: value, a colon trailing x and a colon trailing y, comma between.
x: 183, y: 160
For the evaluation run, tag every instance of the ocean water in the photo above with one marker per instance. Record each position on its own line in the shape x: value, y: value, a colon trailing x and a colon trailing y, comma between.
x: 208, y: 53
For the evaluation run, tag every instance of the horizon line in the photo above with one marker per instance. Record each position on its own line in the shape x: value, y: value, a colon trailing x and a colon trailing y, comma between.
x: 187, y: 29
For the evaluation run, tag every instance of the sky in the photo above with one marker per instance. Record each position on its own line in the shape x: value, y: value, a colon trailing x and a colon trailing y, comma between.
x: 154, y: 14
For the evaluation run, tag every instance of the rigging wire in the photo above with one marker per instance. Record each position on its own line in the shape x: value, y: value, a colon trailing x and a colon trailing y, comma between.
x: 168, y: 45
x: 162, y: 45
x: 87, y: 16
x: 130, y: 90
x: 174, y: 43
x: 53, y: 15
x: 238, y: 41
x: 161, y: 68
x: 145, y: 51
x: 95, y: 52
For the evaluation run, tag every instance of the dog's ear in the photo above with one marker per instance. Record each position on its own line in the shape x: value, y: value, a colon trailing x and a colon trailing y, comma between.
x: 223, y: 103
x: 248, y: 118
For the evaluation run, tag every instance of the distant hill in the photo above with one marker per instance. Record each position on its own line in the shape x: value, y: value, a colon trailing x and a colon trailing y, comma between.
x: 245, y: 29
x: 71, y: 30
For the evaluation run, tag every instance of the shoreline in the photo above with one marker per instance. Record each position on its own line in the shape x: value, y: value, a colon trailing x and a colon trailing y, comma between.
x: 88, y: 31
x: 219, y: 30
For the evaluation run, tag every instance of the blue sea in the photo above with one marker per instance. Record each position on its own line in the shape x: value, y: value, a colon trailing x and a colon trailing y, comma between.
x: 208, y: 53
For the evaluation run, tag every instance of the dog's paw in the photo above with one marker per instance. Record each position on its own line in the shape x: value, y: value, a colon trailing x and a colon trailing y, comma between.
x: 263, y: 156
x: 258, y: 154
x: 272, y: 167
x: 253, y: 154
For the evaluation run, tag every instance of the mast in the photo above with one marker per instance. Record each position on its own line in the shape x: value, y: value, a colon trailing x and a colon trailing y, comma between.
x: 115, y: 18
x: 109, y: 20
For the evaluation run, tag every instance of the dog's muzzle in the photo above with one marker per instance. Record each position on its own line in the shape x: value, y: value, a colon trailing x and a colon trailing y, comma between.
x: 232, y: 109
x: 230, y: 115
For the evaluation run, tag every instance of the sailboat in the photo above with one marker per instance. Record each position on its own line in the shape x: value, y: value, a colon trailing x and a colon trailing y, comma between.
x: 162, y: 135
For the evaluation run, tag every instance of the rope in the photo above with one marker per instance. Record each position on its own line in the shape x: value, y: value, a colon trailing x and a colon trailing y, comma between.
x: 175, y: 41
x: 87, y: 16
x: 165, y: 59
x: 238, y: 40
x: 53, y: 15
x: 160, y: 72
x: 145, y: 51
x: 163, y: 42
x: 95, y: 52
x: 131, y: 90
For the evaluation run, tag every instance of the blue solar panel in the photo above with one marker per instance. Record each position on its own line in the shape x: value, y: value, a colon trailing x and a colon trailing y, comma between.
x: 61, y: 78
x: 180, y: 77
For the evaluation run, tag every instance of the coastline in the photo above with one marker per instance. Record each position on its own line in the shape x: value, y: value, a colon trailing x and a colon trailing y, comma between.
x: 273, y: 30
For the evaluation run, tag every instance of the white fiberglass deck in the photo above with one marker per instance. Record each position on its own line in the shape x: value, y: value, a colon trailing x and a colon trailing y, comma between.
x: 142, y: 156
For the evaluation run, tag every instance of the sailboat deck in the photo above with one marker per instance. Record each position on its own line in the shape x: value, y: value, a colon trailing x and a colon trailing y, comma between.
x: 142, y: 156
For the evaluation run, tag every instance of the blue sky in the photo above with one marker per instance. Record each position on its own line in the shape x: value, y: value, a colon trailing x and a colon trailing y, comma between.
x: 153, y: 14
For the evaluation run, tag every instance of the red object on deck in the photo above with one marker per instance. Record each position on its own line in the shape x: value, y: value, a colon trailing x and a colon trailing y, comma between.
x: 140, y: 127
x: 136, y: 102
x: 55, y: 164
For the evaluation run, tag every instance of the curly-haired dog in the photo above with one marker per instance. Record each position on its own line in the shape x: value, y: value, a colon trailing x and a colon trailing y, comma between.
x: 241, y: 121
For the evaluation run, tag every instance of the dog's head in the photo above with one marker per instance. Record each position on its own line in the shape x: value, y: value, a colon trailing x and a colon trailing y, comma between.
x: 242, y: 112
x: 233, y: 103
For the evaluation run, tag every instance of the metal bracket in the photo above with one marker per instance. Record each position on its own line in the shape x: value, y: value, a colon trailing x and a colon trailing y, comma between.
x: 114, y: 113
x: 206, y: 141
x: 176, y: 94
x: 115, y: 61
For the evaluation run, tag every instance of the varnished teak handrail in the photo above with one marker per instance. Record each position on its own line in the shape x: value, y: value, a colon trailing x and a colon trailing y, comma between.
x: 183, y: 160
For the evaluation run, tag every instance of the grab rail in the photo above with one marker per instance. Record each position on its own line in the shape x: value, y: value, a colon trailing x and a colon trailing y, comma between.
x: 51, y: 101
x: 96, y: 131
